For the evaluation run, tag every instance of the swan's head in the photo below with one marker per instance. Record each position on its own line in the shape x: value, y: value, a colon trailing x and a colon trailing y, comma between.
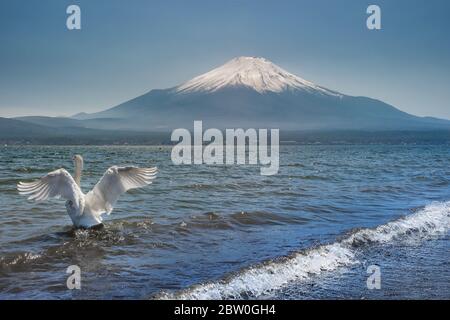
x: 78, y: 161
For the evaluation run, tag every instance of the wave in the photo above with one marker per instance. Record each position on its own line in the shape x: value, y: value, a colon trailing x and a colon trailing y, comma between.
x: 255, y: 281
x: 212, y: 220
x: 264, y: 218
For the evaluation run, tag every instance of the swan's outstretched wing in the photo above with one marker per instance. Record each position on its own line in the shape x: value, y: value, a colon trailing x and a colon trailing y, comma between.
x: 58, y: 183
x: 116, y: 181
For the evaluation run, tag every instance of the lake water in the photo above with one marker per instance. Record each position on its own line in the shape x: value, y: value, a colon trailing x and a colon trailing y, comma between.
x: 227, y: 232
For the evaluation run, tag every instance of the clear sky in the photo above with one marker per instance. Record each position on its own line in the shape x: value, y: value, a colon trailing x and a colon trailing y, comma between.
x: 126, y: 48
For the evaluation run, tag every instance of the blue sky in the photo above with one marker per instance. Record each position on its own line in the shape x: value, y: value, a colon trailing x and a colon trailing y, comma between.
x: 126, y: 48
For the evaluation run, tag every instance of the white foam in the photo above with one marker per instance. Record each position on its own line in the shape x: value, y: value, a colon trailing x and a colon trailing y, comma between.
x: 19, y: 259
x: 433, y: 220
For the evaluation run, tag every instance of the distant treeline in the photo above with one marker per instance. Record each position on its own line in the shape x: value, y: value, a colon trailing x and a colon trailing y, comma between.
x: 286, y: 138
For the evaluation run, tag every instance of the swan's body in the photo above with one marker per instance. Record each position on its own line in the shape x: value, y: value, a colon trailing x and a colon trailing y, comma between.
x: 86, y: 210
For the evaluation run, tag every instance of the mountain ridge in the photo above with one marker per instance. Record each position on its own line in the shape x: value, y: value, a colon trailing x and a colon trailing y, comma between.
x: 254, y: 92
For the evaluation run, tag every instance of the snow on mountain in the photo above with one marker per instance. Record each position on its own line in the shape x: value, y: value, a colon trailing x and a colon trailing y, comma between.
x: 252, y: 72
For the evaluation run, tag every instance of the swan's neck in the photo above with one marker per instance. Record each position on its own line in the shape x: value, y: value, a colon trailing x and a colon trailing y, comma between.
x: 78, y: 170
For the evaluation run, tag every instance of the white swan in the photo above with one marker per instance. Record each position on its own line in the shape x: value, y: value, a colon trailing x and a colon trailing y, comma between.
x: 86, y: 210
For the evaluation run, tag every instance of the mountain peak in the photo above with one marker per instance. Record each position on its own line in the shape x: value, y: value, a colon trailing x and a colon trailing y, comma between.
x: 256, y: 73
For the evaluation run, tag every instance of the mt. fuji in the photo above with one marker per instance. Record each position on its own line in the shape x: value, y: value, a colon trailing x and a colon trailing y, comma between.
x: 254, y: 92
x: 258, y: 74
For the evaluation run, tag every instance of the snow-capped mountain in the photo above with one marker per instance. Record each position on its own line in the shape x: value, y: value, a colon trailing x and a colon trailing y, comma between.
x: 254, y: 92
x: 255, y: 73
